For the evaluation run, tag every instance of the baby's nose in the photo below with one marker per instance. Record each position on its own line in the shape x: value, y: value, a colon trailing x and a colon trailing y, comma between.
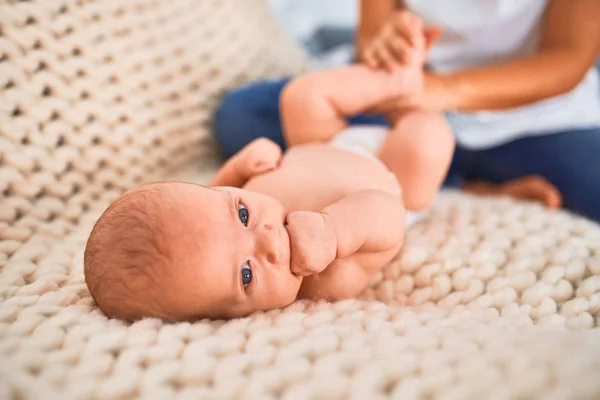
x: 270, y: 243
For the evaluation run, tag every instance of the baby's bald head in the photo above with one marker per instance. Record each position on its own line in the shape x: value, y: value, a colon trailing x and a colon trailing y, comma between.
x: 127, y: 254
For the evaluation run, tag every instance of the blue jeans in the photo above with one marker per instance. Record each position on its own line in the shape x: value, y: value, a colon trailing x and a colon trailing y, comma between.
x: 567, y: 159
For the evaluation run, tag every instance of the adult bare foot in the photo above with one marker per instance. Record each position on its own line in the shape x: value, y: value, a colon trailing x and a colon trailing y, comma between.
x: 531, y: 188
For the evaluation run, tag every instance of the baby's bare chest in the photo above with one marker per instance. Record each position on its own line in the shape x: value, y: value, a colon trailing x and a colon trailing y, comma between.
x: 313, y: 177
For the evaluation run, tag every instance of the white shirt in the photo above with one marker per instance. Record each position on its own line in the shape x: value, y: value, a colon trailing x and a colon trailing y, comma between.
x: 483, y: 32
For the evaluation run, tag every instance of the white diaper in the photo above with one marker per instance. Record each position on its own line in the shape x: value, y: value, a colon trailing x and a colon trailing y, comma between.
x: 366, y: 140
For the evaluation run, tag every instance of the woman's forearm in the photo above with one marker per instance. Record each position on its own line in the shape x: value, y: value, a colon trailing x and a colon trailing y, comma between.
x: 512, y: 84
x: 569, y: 47
x: 371, y: 16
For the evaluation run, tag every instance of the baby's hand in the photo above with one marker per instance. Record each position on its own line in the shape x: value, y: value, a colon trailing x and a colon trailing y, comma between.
x: 312, y: 242
x: 258, y: 157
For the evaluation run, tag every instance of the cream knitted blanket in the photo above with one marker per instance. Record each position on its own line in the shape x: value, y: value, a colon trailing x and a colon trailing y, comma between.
x: 489, y: 299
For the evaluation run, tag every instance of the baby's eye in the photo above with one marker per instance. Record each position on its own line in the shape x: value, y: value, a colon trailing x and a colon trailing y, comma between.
x: 243, y: 214
x: 246, y: 274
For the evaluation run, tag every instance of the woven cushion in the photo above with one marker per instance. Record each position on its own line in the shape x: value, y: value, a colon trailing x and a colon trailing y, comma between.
x: 489, y: 299
x: 98, y: 96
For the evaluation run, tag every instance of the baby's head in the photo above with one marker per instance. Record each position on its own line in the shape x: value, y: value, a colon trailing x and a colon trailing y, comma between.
x: 181, y: 251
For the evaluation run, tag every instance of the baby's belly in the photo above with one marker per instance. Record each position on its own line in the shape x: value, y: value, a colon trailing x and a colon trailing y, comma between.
x: 313, y: 178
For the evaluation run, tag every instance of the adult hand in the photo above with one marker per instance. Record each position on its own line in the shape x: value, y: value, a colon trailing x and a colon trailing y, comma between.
x: 400, y: 41
x: 438, y: 94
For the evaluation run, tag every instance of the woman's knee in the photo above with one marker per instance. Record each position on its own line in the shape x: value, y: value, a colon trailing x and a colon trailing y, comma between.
x: 247, y: 113
x: 230, y: 122
x: 569, y: 162
x: 582, y: 193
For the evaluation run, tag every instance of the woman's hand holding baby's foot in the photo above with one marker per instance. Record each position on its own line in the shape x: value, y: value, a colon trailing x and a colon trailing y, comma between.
x: 401, y: 48
x: 312, y: 242
x: 258, y: 157
x: 399, y: 41
x: 407, y: 82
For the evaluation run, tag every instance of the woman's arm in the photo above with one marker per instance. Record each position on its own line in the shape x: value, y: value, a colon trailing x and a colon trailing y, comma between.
x: 371, y: 16
x: 569, y: 48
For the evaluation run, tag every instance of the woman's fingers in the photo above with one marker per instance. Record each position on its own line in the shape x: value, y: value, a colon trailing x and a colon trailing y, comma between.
x: 369, y: 58
x: 385, y: 52
x: 384, y: 57
x: 405, y: 37
x: 409, y: 26
x: 399, y: 48
x: 401, y: 41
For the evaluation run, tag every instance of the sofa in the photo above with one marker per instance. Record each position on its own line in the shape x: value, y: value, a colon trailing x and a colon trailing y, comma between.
x: 489, y: 298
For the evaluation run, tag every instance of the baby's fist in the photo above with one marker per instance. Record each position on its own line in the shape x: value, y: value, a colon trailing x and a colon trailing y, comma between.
x: 258, y: 157
x: 312, y: 242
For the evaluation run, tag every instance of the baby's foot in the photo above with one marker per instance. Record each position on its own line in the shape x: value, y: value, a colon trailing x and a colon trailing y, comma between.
x: 258, y: 157
x: 531, y: 188
x: 403, y: 82
x: 408, y: 78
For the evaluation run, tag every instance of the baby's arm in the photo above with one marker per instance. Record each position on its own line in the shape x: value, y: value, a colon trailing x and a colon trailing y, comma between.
x: 258, y: 157
x: 339, y: 249
x: 367, y: 221
x: 314, y: 106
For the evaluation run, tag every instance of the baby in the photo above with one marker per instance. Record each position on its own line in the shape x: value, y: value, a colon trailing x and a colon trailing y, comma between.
x: 317, y: 222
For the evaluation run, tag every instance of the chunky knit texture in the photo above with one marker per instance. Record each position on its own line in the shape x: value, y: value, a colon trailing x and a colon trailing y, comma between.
x: 490, y: 298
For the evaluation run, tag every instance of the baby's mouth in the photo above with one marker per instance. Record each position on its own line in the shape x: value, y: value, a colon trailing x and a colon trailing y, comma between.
x: 288, y: 250
x: 286, y: 246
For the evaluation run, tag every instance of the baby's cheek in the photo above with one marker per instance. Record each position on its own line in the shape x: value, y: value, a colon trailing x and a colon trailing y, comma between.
x: 292, y: 289
x: 284, y: 291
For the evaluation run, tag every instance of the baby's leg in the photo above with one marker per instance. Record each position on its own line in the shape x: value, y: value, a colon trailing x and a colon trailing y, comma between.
x: 314, y: 106
x: 419, y: 151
